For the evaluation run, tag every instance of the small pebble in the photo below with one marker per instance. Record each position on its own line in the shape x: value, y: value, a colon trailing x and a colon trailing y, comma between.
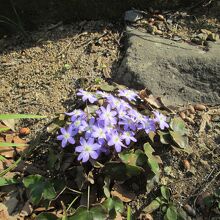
x: 189, y: 210
x: 199, y: 107
x: 191, y: 109
x: 182, y: 115
x: 186, y: 164
x: 24, y: 131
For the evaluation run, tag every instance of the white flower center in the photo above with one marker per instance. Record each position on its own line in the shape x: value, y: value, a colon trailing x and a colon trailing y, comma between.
x: 66, y: 136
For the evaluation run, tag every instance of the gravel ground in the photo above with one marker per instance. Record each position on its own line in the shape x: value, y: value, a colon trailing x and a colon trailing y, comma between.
x: 40, y: 76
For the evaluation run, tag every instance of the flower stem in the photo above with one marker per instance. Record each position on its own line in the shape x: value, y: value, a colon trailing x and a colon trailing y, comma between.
x: 88, y: 197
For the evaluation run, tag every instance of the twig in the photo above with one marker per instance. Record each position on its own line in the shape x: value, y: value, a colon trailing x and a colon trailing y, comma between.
x: 208, y: 184
x: 65, y: 49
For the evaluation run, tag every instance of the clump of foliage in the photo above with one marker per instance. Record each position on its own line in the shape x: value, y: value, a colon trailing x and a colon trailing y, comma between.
x: 110, y: 142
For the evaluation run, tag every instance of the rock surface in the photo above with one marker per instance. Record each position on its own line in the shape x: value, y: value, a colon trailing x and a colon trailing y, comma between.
x: 178, y: 72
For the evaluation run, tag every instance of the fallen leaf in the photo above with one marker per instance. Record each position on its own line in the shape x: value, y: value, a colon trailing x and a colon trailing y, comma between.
x: 7, y: 152
x: 26, y: 210
x: 10, y: 123
x: 146, y: 216
x: 3, y: 212
x: 123, y: 194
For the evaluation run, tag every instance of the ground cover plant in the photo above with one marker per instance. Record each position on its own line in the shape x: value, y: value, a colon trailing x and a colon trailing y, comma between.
x: 111, y: 140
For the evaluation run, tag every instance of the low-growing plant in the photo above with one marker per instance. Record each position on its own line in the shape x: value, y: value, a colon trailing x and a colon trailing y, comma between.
x: 104, y: 137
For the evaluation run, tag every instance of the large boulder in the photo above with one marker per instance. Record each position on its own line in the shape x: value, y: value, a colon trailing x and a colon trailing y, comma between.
x: 178, y: 72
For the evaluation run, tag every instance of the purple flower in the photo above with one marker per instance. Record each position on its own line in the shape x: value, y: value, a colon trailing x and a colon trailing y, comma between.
x: 76, y: 122
x: 107, y: 115
x: 114, y: 102
x: 128, y: 136
x: 122, y: 112
x: 67, y: 136
x: 87, y: 149
x: 116, y: 141
x: 128, y: 123
x: 76, y: 113
x: 129, y: 94
x: 103, y: 94
x: 88, y: 127
x: 87, y: 96
x: 99, y: 132
x: 161, y: 119
x: 148, y: 125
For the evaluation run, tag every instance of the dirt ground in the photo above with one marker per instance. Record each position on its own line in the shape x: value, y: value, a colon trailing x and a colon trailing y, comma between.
x: 40, y: 76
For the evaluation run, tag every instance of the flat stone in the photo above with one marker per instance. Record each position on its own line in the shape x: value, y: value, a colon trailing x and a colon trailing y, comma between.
x: 176, y: 71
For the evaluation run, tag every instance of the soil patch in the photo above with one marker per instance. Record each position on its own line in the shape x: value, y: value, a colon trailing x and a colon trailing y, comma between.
x: 41, y: 76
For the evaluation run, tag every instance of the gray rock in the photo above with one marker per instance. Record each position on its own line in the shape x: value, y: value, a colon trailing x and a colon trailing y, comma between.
x: 178, y: 72
x: 132, y: 16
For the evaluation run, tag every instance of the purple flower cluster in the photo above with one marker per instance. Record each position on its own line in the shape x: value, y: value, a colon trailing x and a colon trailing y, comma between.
x: 112, y: 127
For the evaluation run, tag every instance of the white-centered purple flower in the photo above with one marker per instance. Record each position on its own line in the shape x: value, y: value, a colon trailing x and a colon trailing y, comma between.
x: 67, y: 136
x: 128, y: 94
x: 76, y: 122
x: 148, y: 125
x: 103, y: 94
x: 122, y: 113
x: 114, y: 102
x: 76, y: 113
x: 161, y: 120
x: 107, y: 114
x: 116, y: 141
x: 87, y: 149
x: 99, y: 132
x: 128, y: 136
x: 87, y: 127
x: 87, y: 96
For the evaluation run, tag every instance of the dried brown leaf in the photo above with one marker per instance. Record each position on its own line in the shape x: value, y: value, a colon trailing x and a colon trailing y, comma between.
x: 123, y: 194
x: 3, y: 212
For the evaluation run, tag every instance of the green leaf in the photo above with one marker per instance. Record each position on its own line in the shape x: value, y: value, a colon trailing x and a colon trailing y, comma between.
x: 96, y: 213
x: 5, y: 182
x: 152, y: 160
x: 19, y: 116
x: 179, y: 139
x: 113, y: 203
x: 107, y: 181
x: 46, y: 216
x: 165, y: 192
x: 171, y: 213
x: 5, y: 144
x: 4, y: 129
x: 39, y: 188
x: 107, y: 88
x: 135, y: 159
x: 49, y: 191
x: 153, y: 206
x: 153, y: 165
x: 164, y: 137
x: 148, y: 149
x: 121, y: 171
x: 178, y: 125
